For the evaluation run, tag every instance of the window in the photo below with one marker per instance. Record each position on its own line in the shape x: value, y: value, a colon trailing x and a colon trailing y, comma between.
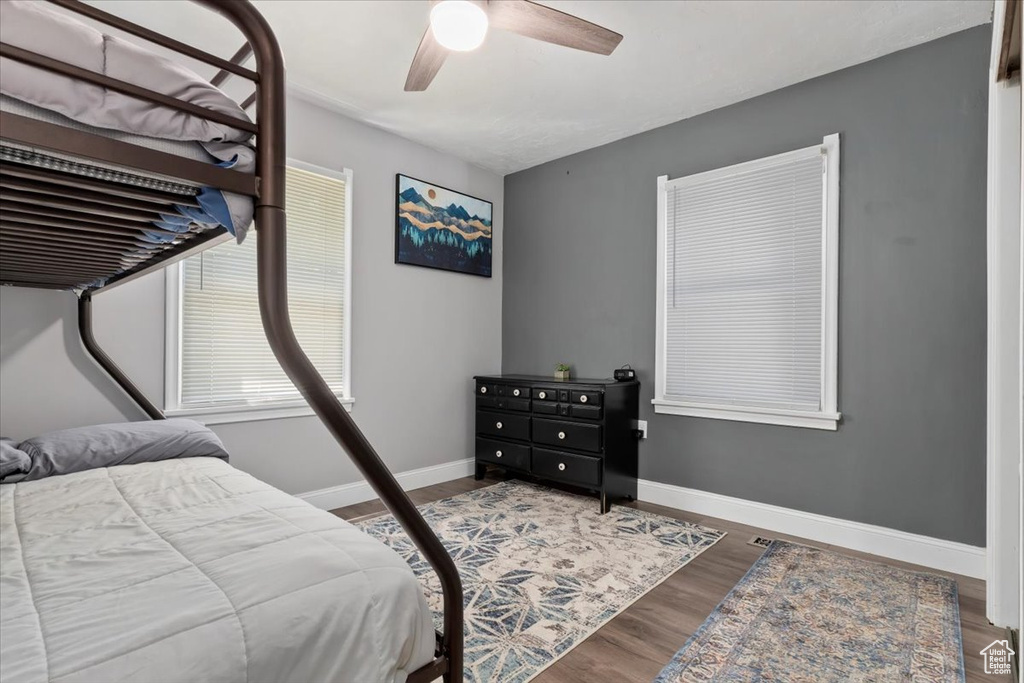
x: 747, y: 290
x: 219, y: 363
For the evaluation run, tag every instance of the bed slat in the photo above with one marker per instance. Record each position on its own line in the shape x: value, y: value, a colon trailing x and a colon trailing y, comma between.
x: 39, y: 232
x: 8, y: 240
x: 78, y: 206
x: 50, y: 273
x: 43, y: 283
x: 25, y: 210
x: 11, y: 282
x: 18, y: 254
x: 71, y: 193
x: 72, y: 251
x: 43, y: 273
x: 92, y: 233
x: 57, y: 179
x: 71, y: 247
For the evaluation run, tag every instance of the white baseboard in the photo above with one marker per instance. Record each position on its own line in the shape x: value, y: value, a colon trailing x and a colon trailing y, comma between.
x: 360, y: 491
x: 949, y: 556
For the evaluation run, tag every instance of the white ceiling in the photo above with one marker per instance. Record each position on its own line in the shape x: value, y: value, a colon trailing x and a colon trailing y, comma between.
x: 515, y: 102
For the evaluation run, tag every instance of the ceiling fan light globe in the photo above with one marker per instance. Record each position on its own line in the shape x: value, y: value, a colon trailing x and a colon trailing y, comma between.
x: 459, y: 25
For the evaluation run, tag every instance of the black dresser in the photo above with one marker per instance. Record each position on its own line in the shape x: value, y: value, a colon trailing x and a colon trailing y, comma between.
x: 580, y: 431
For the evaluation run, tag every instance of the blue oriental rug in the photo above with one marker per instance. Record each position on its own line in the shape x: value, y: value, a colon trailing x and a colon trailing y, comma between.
x: 810, y: 615
x: 542, y: 569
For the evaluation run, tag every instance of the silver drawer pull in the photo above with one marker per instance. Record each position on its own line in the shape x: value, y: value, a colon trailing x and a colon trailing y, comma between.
x: 542, y: 394
x: 561, y: 467
x: 583, y: 398
x: 498, y: 425
x: 483, y: 390
x: 515, y: 392
x: 561, y: 435
x: 498, y: 453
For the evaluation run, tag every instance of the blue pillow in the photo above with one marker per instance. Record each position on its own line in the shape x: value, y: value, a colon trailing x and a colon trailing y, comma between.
x: 127, y: 443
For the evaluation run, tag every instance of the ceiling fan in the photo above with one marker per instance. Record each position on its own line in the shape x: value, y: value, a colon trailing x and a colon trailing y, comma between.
x: 461, y: 26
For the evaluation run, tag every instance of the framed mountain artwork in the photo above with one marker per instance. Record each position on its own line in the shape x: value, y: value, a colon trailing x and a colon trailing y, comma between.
x: 440, y: 228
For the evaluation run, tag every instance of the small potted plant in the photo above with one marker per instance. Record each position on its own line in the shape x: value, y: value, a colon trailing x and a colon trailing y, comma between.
x: 561, y: 371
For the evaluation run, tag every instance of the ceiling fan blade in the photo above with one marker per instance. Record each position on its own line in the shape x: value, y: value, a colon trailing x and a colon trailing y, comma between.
x: 544, y: 23
x: 429, y: 57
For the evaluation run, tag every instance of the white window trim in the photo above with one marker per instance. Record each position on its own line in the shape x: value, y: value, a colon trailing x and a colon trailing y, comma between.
x: 829, y: 417
x: 262, y: 411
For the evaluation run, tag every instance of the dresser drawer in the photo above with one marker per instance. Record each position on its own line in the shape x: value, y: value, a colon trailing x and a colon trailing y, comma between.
x: 506, y: 403
x: 486, y: 401
x: 586, y: 412
x: 567, y: 467
x: 545, y: 407
x: 484, y: 389
x: 585, y: 437
x: 514, y: 455
x: 506, y: 425
x: 545, y: 394
x: 589, y: 398
x: 512, y: 391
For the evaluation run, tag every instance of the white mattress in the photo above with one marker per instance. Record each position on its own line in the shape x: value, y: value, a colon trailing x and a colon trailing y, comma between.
x: 190, y: 570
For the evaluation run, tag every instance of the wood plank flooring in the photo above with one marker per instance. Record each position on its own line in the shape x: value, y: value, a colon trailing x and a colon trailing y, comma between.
x: 636, y: 644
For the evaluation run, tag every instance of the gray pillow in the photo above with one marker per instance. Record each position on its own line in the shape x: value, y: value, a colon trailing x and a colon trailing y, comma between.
x: 13, y: 460
x: 86, y: 448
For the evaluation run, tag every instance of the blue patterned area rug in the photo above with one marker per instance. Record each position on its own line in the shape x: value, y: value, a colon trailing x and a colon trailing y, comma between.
x: 542, y: 569
x: 804, y: 614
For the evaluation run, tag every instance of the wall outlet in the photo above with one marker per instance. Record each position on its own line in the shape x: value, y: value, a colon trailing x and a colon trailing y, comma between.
x: 641, y: 426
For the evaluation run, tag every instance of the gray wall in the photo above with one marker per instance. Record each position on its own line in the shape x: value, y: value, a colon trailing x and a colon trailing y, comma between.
x: 418, y: 334
x: 910, y: 452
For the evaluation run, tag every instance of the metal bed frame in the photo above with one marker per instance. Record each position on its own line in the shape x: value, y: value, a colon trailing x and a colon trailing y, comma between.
x: 63, y: 231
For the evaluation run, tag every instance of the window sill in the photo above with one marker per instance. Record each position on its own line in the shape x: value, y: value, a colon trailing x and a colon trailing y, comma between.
x: 215, y: 416
x: 788, y: 418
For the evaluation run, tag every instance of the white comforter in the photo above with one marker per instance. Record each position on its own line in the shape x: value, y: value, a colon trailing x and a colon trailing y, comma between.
x: 190, y: 570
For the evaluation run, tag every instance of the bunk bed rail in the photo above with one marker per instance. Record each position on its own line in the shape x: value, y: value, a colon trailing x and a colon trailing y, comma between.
x: 105, y: 362
x: 70, y: 244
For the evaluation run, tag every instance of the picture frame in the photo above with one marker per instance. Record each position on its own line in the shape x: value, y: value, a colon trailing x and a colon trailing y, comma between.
x: 440, y: 228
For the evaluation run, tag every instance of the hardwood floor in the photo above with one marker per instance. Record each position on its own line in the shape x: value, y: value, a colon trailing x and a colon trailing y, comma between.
x: 636, y: 644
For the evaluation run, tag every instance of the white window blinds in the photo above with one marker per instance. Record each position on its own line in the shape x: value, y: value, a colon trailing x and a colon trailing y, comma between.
x: 225, y: 360
x: 743, y: 320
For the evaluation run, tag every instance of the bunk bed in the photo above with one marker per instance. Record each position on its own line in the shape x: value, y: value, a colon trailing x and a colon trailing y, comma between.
x: 87, y: 209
